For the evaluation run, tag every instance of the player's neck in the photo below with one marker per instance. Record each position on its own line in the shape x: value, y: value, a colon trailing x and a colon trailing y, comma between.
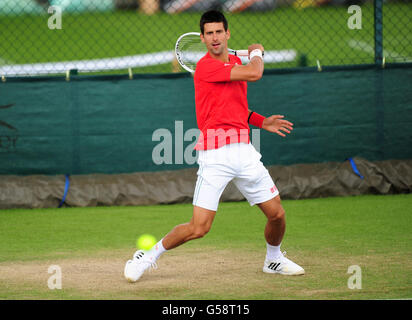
x: 224, y: 56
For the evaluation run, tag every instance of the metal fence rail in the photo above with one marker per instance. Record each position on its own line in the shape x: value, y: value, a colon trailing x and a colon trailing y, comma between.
x: 114, y: 36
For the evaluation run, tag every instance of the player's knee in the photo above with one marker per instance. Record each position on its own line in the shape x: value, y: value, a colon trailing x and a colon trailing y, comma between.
x: 277, y: 215
x: 200, y: 231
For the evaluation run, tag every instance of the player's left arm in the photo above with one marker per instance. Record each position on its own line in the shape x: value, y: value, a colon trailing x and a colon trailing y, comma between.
x: 274, y: 123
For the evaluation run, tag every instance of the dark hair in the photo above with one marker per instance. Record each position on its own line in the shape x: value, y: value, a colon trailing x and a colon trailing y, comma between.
x: 212, y: 16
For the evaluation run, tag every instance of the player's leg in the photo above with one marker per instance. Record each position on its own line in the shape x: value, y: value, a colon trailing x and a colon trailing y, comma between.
x: 256, y: 184
x: 276, y: 222
x: 198, y: 226
x: 275, y: 261
x: 205, y: 203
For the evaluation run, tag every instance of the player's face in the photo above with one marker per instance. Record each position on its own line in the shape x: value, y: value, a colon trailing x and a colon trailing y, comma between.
x: 215, y: 38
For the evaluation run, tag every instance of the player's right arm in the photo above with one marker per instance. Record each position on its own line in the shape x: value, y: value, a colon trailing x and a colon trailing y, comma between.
x: 251, y: 72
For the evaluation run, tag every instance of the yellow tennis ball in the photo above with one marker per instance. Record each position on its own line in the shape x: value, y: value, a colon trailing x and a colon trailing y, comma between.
x: 145, y: 242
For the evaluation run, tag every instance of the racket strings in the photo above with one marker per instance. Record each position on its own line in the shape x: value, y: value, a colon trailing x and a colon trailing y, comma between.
x: 190, y: 50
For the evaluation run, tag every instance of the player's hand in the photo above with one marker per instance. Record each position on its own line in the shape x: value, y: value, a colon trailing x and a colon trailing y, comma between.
x: 256, y: 46
x: 276, y: 124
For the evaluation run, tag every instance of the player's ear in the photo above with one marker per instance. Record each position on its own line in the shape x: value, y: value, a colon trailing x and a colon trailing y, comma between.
x: 228, y: 34
x: 202, y: 38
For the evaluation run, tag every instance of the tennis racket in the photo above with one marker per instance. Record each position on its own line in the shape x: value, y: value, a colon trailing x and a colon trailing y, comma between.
x: 190, y: 49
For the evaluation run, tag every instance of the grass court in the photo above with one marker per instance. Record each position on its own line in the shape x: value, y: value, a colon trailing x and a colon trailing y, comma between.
x: 326, y: 236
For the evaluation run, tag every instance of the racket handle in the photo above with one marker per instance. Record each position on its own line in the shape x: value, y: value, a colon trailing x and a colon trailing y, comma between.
x: 245, y: 53
x: 242, y: 53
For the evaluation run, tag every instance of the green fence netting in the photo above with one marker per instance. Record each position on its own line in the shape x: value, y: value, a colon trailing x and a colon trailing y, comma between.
x: 113, y: 36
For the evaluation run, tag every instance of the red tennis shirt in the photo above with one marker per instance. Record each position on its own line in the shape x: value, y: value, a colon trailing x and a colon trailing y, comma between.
x: 221, y: 104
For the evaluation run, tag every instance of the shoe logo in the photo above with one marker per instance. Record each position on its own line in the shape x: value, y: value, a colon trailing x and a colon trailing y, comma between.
x: 273, y: 266
x: 139, y: 255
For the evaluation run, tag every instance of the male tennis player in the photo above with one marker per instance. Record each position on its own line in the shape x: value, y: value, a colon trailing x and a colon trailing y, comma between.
x: 225, y: 152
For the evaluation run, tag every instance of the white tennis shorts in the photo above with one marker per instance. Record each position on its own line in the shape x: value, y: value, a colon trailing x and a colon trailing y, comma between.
x: 237, y: 162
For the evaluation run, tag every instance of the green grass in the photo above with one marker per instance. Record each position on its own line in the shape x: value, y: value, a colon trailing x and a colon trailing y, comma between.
x: 319, y: 33
x: 327, y: 235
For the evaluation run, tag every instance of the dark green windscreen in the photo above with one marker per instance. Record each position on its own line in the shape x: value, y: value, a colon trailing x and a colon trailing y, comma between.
x: 108, y: 124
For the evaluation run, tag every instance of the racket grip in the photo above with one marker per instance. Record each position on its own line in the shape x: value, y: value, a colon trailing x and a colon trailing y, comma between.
x: 245, y: 53
x: 242, y: 53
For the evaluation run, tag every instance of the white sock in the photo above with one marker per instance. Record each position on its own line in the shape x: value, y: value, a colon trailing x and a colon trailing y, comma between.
x: 156, y: 251
x: 272, y: 252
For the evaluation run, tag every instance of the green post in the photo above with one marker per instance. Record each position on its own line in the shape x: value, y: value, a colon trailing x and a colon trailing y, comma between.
x: 378, y: 26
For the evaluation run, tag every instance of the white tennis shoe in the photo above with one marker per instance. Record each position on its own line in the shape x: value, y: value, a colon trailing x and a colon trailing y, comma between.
x: 135, y: 268
x: 282, y: 265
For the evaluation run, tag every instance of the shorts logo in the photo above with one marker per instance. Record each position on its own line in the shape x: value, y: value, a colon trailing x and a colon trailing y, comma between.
x: 273, y: 189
